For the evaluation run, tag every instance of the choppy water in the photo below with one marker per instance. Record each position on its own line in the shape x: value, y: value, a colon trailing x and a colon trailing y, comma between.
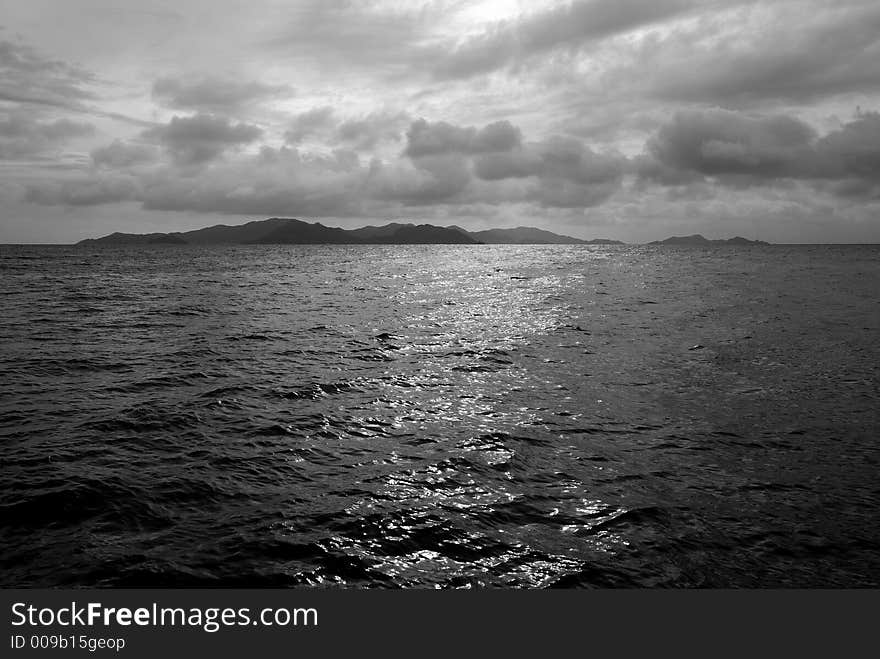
x: 440, y: 416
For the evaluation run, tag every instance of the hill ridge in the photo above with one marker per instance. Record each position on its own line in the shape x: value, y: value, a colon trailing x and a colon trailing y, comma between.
x: 292, y: 231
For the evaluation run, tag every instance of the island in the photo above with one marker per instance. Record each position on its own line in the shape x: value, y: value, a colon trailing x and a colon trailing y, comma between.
x: 290, y: 231
x: 699, y: 241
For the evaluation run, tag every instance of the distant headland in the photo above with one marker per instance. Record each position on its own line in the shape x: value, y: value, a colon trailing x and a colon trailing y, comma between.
x: 288, y: 231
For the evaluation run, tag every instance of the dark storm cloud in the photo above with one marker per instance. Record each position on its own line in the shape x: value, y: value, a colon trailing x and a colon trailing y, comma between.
x: 741, y: 149
x: 22, y: 136
x: 573, y: 24
x: 807, y: 51
x: 202, y: 137
x: 214, y: 94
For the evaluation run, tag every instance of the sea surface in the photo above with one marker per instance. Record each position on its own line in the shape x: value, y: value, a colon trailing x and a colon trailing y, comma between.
x: 440, y: 416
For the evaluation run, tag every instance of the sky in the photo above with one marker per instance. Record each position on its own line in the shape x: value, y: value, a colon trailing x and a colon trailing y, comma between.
x: 623, y: 119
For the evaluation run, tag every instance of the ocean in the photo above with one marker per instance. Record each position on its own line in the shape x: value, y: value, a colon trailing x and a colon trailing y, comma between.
x: 440, y: 416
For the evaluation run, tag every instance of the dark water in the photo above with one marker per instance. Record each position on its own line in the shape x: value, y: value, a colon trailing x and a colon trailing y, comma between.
x: 440, y: 416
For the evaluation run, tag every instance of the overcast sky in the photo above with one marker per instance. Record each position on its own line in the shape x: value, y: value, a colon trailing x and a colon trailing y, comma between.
x: 622, y: 119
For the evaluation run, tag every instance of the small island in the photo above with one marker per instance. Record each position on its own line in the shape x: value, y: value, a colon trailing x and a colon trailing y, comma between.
x: 699, y: 241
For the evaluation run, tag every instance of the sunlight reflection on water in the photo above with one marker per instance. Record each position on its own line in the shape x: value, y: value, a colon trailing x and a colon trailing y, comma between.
x: 439, y: 416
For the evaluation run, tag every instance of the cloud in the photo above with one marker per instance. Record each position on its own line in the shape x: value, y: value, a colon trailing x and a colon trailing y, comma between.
x: 562, y: 172
x: 776, y: 51
x: 571, y: 159
x: 201, y: 137
x: 563, y: 193
x: 441, y: 165
x: 368, y: 131
x: 346, y: 39
x: 90, y: 190
x: 22, y: 136
x: 123, y: 155
x: 315, y: 122
x: 440, y: 178
x: 566, y: 173
x: 431, y: 139
x: 396, y: 42
x: 445, y: 165
x: 610, y: 109
x: 361, y: 132
x: 738, y: 149
x: 850, y: 157
x: 853, y: 150
x: 274, y: 182
x: 426, y: 139
x: 34, y: 83
x: 572, y: 24
x: 520, y: 163
x: 214, y: 94
x: 28, y: 77
x: 720, y: 142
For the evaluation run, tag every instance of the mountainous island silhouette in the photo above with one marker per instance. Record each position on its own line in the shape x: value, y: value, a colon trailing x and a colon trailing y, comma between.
x: 288, y: 231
